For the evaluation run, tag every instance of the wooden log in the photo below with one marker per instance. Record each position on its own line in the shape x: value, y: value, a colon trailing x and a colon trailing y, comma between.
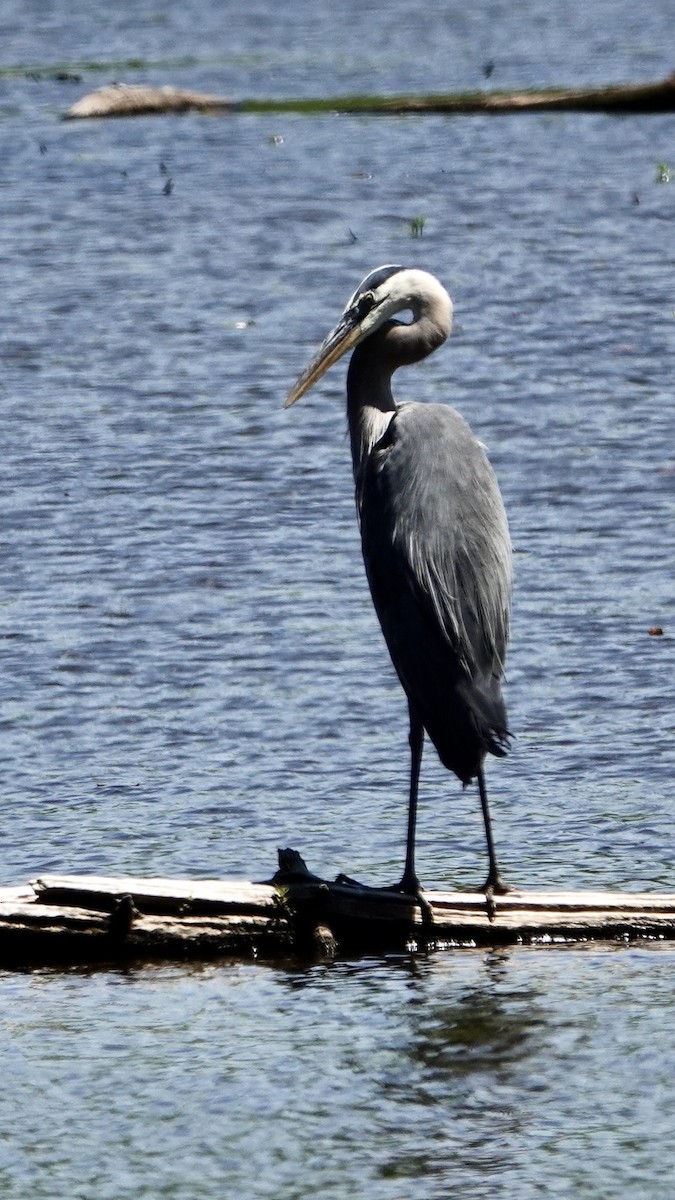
x: 102, y: 919
x: 616, y: 98
x: 379, y: 916
x: 129, y: 100
x: 186, y: 897
x: 134, y: 100
x: 62, y: 918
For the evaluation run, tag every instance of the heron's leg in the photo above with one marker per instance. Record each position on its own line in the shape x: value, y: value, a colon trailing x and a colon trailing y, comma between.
x: 410, y: 883
x: 495, y: 884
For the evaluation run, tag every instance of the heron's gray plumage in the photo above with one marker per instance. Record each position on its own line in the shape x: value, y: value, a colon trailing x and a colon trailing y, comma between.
x: 428, y: 550
x: 434, y: 532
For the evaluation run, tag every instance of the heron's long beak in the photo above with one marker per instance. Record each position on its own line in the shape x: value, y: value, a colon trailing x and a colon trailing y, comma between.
x: 340, y: 339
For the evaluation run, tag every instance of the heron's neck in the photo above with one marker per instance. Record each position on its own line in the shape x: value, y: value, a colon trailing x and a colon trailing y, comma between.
x: 370, y: 404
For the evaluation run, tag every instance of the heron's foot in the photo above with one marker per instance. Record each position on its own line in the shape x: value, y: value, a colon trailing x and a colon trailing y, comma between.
x: 494, y: 886
x: 347, y: 881
x: 408, y: 886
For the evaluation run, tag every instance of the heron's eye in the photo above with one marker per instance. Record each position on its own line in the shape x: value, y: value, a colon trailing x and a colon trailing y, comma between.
x: 364, y: 305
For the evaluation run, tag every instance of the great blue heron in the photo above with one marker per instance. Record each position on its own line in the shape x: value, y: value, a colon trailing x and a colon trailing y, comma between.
x: 434, y: 533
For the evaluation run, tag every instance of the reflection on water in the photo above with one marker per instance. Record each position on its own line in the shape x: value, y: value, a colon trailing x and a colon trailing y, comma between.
x: 466, y: 1057
x: 479, y: 1032
x: 510, y: 1072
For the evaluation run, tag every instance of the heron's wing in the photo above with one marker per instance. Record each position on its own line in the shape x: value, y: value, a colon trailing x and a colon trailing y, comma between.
x: 435, y: 540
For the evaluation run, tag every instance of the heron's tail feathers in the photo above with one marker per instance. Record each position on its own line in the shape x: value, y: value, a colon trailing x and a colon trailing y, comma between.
x: 487, y: 714
x: 472, y: 724
x: 498, y: 742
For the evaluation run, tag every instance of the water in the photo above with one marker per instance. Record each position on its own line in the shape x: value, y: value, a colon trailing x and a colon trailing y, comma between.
x: 527, y: 1073
x: 192, y: 673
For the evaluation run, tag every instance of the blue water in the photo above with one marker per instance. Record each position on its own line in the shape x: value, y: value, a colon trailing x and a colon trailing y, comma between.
x: 192, y: 673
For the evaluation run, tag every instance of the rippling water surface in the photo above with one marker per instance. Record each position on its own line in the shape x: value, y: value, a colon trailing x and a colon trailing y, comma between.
x: 191, y: 671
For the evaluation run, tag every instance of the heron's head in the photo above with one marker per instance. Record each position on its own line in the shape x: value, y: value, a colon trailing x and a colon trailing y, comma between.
x: 383, y: 293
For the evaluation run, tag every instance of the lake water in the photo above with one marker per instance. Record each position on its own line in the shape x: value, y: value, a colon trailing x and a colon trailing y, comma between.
x: 192, y: 673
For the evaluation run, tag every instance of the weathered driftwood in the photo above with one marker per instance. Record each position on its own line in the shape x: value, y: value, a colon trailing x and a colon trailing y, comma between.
x: 59, y: 919
x: 623, y: 98
x: 125, y: 100
x: 93, y: 918
x: 133, y: 100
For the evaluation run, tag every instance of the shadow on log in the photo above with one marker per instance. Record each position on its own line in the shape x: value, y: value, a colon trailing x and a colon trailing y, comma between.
x: 90, y: 919
x: 132, y: 100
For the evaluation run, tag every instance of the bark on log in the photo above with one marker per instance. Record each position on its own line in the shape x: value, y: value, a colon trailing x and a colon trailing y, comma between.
x: 60, y: 919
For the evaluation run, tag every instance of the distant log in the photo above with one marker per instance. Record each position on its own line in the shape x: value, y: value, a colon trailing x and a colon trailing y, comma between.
x: 61, y: 919
x: 134, y: 100
x: 615, y: 98
x: 125, y: 100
